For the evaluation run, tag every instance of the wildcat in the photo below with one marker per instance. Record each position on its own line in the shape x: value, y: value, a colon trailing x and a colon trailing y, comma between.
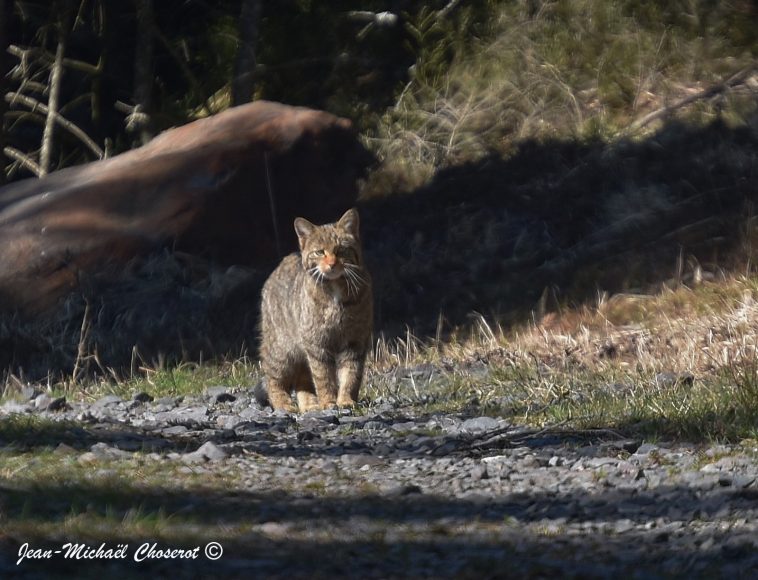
x: 316, y: 318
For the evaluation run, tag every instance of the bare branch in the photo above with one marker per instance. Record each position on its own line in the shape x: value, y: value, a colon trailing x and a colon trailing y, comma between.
x: 740, y: 78
x: 56, y: 78
x: 35, y: 106
x: 378, y: 18
x: 449, y: 7
x: 24, y: 160
x: 25, y: 53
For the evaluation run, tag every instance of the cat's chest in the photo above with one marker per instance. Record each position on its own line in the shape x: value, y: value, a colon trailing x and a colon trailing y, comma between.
x: 329, y: 313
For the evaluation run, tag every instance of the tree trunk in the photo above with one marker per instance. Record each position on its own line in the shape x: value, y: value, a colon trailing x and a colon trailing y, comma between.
x: 243, y: 82
x: 142, y: 118
x: 4, y: 62
x: 56, y: 77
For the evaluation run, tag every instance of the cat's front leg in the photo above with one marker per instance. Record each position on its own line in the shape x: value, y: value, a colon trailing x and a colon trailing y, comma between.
x: 349, y: 377
x: 324, y: 374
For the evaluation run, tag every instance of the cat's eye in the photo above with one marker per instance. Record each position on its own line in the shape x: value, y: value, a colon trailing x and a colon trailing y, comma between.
x: 317, y: 253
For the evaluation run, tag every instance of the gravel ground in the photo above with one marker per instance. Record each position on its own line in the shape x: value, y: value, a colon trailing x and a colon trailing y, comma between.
x: 398, y: 494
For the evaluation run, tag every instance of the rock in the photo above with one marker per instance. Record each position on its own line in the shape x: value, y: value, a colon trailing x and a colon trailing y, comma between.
x: 190, y: 416
x: 645, y: 449
x: 174, y: 430
x: 63, y: 449
x: 42, y: 402
x: 403, y: 490
x: 208, y: 451
x: 479, y: 472
x: 669, y: 379
x: 326, y: 416
x: 104, y: 451
x: 480, y: 424
x: 12, y: 407
x: 107, y: 400
x: 57, y: 404
x: 740, y: 481
x: 142, y: 397
x: 359, y: 460
x: 223, y: 398
x: 28, y: 392
x: 219, y: 394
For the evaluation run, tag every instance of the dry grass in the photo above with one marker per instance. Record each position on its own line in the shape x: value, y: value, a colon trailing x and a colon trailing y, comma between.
x: 682, y: 363
x: 573, y: 69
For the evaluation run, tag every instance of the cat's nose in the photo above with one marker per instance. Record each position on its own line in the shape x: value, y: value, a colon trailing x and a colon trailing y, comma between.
x: 330, y: 259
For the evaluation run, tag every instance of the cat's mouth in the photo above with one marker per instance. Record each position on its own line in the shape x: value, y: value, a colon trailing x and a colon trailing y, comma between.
x: 332, y: 273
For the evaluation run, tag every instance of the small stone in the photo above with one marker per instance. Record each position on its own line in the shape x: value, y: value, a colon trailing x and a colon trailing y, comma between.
x: 86, y: 458
x: 42, y: 402
x: 403, y: 490
x: 223, y: 398
x: 352, y: 420
x: 168, y: 402
x: 208, y: 451
x: 480, y: 424
x: 623, y: 526
x: 174, y: 430
x: 479, y: 472
x: 57, y: 404
x: 28, y: 393
x: 274, y: 530
x: 555, y: 461
x: 358, y: 460
x: 10, y: 407
x: 669, y: 379
x: 212, y: 451
x: 645, y: 449
x: 326, y: 416
x: 106, y: 401
x: 742, y: 481
x: 104, y: 451
x: 725, y: 480
x: 64, y: 449
x: 215, y: 391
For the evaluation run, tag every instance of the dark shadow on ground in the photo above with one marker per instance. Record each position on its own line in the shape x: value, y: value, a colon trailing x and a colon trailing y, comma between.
x: 560, y: 219
x: 476, y: 537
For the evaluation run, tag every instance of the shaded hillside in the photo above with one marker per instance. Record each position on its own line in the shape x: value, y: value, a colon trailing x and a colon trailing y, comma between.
x: 574, y: 218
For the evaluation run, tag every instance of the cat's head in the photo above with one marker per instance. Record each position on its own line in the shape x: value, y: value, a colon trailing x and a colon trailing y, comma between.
x: 333, y: 250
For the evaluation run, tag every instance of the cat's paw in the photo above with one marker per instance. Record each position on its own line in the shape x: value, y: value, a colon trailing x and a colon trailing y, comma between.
x: 346, y: 402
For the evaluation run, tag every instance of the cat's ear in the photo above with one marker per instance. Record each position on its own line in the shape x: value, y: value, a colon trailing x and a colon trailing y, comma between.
x: 303, y: 229
x: 349, y: 222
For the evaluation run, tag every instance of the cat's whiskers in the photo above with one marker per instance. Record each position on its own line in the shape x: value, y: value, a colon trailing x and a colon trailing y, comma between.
x: 316, y: 274
x: 353, y: 277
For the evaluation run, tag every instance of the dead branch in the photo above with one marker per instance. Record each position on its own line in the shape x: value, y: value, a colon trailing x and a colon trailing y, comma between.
x: 739, y: 78
x: 24, y: 160
x: 23, y: 54
x: 56, y: 78
x: 35, y: 105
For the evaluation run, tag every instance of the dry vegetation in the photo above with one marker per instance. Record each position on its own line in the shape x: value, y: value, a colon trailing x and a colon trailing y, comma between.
x: 682, y: 363
x: 570, y: 69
